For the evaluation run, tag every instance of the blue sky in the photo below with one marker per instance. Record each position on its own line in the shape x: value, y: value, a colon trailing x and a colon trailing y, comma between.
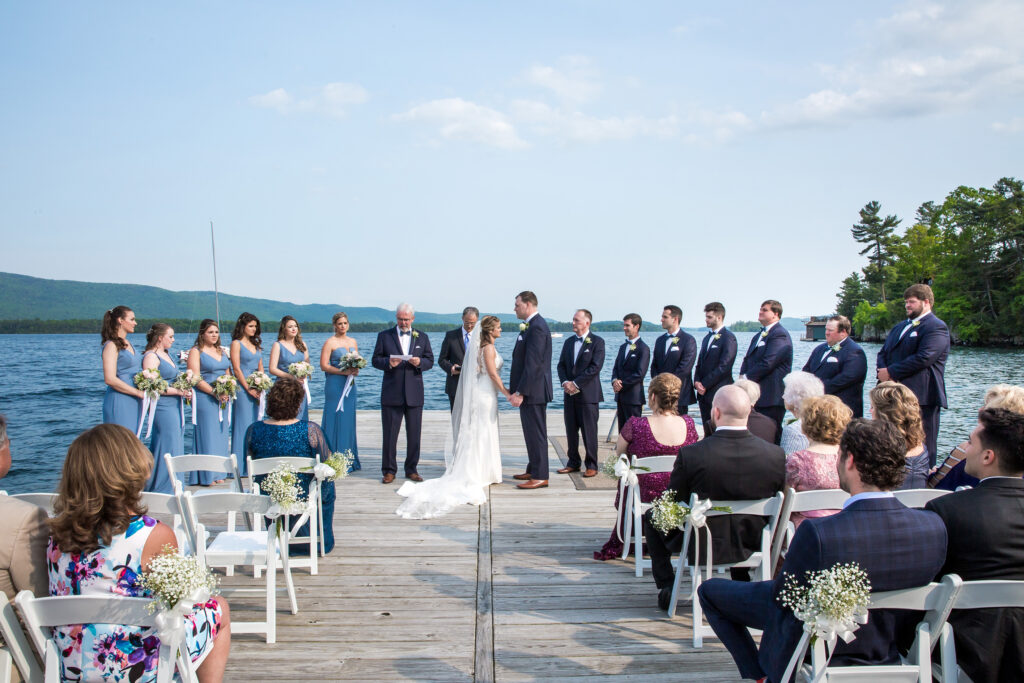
x: 607, y: 155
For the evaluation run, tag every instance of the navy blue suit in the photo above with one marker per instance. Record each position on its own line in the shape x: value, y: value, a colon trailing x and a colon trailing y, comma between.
x: 768, y: 360
x: 630, y: 367
x: 714, y: 367
x: 531, y: 378
x: 842, y: 372
x: 401, y: 396
x: 897, y: 546
x: 581, y: 409
x: 678, y: 359
x: 918, y: 361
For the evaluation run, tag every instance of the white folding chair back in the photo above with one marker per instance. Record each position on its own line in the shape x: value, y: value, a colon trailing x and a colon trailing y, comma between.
x: 916, y: 498
x: 43, y: 500
x: 41, y: 614
x: 18, y: 649
x: 169, y: 506
x: 261, y: 466
x: 984, y: 594
x: 178, y: 465
x: 631, y: 508
x: 802, y: 501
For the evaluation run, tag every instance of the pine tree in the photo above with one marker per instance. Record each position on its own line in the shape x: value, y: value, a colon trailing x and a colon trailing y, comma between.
x: 878, y: 236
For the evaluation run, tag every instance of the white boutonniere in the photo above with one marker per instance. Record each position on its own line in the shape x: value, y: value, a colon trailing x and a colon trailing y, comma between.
x: 764, y: 334
x: 523, y: 327
x: 415, y: 334
x: 717, y: 337
x: 915, y: 323
x: 674, y: 340
x: 835, y: 347
x: 587, y: 340
x: 632, y: 347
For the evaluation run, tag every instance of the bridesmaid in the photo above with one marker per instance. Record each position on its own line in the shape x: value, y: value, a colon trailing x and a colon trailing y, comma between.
x: 339, y: 426
x: 289, y: 348
x: 213, y: 429
x: 122, y: 404
x: 168, y: 423
x: 246, y: 358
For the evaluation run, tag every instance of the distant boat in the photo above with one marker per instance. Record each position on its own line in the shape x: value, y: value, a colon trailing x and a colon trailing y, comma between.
x: 557, y: 335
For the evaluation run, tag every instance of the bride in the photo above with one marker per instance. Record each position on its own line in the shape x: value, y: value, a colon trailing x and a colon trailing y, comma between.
x: 472, y: 457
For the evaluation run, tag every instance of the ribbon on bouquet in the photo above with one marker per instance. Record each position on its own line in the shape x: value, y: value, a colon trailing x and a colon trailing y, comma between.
x: 305, y: 385
x: 263, y: 406
x: 148, y: 408
x: 195, y: 399
x: 181, y: 408
x: 349, y: 381
x: 625, y: 472
x: 323, y: 471
x: 220, y: 413
x: 169, y: 622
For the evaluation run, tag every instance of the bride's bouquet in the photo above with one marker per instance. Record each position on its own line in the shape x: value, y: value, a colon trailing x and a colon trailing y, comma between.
x: 333, y: 468
x: 225, y: 387
x: 667, y: 514
x: 259, y: 381
x: 351, y: 361
x: 150, y: 383
x: 186, y: 382
x: 300, y: 370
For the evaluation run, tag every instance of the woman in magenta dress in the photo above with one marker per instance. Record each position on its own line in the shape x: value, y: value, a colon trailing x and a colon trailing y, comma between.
x: 823, y: 420
x: 663, y: 433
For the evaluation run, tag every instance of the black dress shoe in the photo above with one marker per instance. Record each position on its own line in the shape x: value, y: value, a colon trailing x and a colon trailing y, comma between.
x: 664, y: 598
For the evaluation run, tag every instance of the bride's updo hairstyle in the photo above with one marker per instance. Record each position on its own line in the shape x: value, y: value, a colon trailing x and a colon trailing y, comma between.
x: 487, y: 327
x: 664, y: 391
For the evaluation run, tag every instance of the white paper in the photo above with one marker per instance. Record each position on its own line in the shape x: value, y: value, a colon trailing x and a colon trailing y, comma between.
x: 400, y: 357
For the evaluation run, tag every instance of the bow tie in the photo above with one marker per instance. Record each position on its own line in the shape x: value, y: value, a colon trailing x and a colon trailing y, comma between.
x: 579, y: 339
x: 405, y: 334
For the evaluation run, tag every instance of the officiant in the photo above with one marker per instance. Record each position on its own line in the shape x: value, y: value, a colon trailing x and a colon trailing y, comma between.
x: 453, y: 350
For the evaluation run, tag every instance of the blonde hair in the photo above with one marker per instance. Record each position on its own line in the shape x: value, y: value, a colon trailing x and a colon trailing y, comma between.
x: 664, y: 393
x: 1006, y: 396
x: 824, y: 418
x: 487, y: 327
x: 896, y: 404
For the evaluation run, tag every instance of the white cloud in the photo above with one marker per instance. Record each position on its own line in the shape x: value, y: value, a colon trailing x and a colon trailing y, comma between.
x: 459, y: 119
x: 1013, y: 126
x: 333, y: 99
x: 573, y: 81
x: 579, y: 127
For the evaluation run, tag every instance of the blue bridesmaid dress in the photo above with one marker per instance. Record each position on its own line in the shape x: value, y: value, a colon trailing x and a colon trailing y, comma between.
x: 245, y: 409
x: 340, y: 425
x: 283, y: 361
x: 212, y: 433
x: 119, y: 408
x: 168, y: 432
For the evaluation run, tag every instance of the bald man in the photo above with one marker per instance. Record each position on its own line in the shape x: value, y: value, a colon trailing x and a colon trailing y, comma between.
x: 731, y: 464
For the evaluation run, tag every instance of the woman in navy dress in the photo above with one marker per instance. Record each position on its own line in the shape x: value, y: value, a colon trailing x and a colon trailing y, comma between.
x: 169, y: 420
x: 246, y: 358
x: 122, y: 404
x: 339, y: 419
x: 213, y: 426
x: 289, y: 348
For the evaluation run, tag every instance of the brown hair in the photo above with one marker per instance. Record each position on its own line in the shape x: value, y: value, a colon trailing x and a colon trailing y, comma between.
x: 774, y: 305
x: 896, y: 404
x: 878, y: 451
x: 338, y: 316
x: 919, y: 291
x: 715, y: 307
x: 634, y: 319
x: 285, y: 398
x: 674, y: 312
x: 842, y: 323
x: 824, y: 418
x: 299, y: 344
x: 98, y: 495
x: 240, y: 325
x: 588, y: 315
x: 487, y: 327
x: 664, y: 391
x: 155, y: 332
x: 206, y: 324
x: 1002, y: 431
x: 112, y: 325
x: 527, y: 297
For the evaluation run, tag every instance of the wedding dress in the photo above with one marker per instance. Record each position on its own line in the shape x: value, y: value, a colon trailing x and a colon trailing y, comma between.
x: 472, y: 456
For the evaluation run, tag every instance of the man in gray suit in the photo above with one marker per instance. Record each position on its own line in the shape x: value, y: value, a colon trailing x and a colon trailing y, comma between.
x: 23, y: 536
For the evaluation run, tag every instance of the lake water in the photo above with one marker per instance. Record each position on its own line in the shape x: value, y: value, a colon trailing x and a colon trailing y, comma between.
x: 51, y: 389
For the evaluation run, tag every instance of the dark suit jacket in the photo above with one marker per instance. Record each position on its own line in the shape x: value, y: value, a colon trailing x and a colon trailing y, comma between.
x: 844, y: 376
x: 986, y: 541
x: 630, y: 367
x: 452, y: 353
x: 768, y: 363
x: 761, y: 426
x: 402, y: 385
x: 678, y: 359
x: 730, y: 465
x: 715, y: 360
x: 897, y: 546
x: 918, y: 360
x: 584, y: 370
x: 531, y: 363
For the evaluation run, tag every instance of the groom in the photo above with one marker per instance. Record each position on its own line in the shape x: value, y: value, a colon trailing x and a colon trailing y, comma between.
x: 530, y: 384
x: 404, y: 355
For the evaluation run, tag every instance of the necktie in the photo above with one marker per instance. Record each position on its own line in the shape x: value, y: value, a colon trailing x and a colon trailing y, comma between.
x: 465, y: 341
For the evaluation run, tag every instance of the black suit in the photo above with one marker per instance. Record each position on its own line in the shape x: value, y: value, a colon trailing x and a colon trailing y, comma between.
x: 630, y: 367
x: 714, y: 367
x: 531, y: 378
x: 770, y: 358
x: 453, y: 350
x: 401, y: 396
x: 581, y: 409
x: 842, y: 372
x: 985, y: 526
x: 728, y: 465
x: 676, y: 358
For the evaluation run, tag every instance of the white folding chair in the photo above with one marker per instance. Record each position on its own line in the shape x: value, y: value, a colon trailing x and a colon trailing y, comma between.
x: 759, y: 561
x: 170, y: 506
x: 916, y: 498
x: 178, y: 465
x: 43, y: 500
x: 802, y: 501
x: 261, y: 466
x: 631, y: 508
x: 982, y: 594
x: 41, y: 614
x: 18, y: 650
x: 935, y: 600
x: 258, y: 548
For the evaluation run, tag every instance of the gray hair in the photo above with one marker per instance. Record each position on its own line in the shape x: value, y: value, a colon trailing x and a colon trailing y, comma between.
x: 405, y: 308
x: 752, y: 388
x: 470, y: 309
x: 800, y: 385
x: 3, y: 430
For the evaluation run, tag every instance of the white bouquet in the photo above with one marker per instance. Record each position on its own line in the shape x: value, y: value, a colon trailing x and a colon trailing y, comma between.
x: 333, y: 468
x: 667, y: 514
x: 178, y: 583
x: 259, y: 381
x: 150, y: 383
x: 282, y: 485
x: 832, y: 603
x: 300, y: 370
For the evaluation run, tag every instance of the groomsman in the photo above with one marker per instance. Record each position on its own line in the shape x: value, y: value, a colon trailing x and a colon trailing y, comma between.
x: 770, y: 358
x: 453, y: 350
x: 579, y: 373
x: 717, y: 355
x: 401, y: 391
x: 530, y: 384
x: 914, y: 354
x: 628, y: 372
x: 675, y: 352
x: 840, y: 364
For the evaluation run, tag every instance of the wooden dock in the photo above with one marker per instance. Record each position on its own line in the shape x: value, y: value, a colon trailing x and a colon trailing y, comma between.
x: 506, y: 591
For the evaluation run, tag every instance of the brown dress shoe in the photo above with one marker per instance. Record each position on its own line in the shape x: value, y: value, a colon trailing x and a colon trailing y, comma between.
x: 525, y: 476
x: 533, y: 484
x: 414, y: 477
x: 387, y: 478
x: 567, y: 470
x: 590, y: 473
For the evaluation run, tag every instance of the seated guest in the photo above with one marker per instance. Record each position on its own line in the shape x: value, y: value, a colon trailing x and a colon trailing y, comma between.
x: 823, y: 418
x: 23, y: 526
x: 282, y: 434
x: 898, y: 548
x: 731, y: 464
x: 986, y: 541
x: 663, y: 433
x: 101, y: 542
x: 799, y: 387
x: 761, y: 426
x: 897, y: 405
